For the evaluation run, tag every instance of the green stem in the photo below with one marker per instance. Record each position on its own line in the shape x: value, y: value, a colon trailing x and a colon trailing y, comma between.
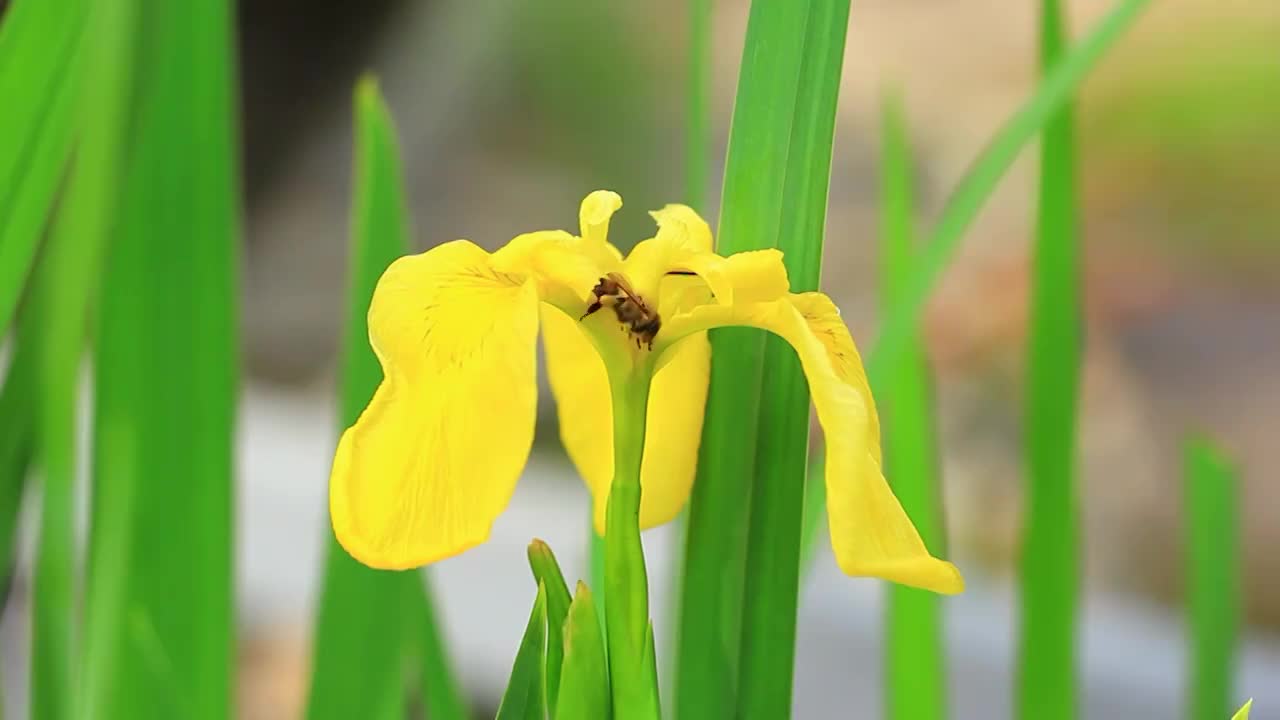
x: 626, y: 581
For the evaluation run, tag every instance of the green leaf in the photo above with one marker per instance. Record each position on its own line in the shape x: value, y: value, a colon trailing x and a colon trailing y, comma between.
x: 441, y: 694
x: 39, y: 83
x: 1243, y: 712
x: 547, y: 572
x: 980, y: 181
x: 523, y: 698
x: 1047, y: 685
x: 17, y: 416
x: 584, y: 682
x: 969, y: 196
x: 777, y: 503
x: 166, y: 363
x: 751, y: 217
x: 370, y: 621
x: 914, y: 671
x: 1212, y: 545
x: 698, y: 112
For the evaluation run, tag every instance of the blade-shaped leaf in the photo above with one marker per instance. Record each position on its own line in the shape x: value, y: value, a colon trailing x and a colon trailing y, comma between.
x: 981, y: 179
x: 777, y: 503
x: 366, y: 617
x: 547, y: 572
x: 914, y: 673
x: 166, y: 376
x: 750, y: 217
x: 1050, y: 569
x: 584, y: 681
x: 523, y: 697
x: 39, y: 82
x: 1212, y: 563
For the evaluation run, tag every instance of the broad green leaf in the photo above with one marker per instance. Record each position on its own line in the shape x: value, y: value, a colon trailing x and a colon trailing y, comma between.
x: 584, y: 681
x: 161, y: 536
x: 523, y: 697
x: 1212, y: 547
x: 915, y: 682
x: 1047, y: 685
x: 777, y: 503
x: 547, y: 572
x: 39, y: 81
x: 369, y: 622
x: 751, y: 215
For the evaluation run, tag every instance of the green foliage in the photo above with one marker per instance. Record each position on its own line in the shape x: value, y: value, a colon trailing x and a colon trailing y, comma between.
x: 584, y: 682
x: 547, y: 572
x: 751, y: 216
x: 915, y: 683
x: 1213, y: 577
x: 160, y: 631
x: 969, y: 196
x: 40, y: 66
x: 523, y: 699
x: 371, y: 623
x: 777, y: 502
x: 1050, y: 584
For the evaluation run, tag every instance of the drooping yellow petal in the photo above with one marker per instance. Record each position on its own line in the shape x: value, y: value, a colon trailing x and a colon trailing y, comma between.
x: 870, y: 532
x: 677, y: 397
x: 433, y: 460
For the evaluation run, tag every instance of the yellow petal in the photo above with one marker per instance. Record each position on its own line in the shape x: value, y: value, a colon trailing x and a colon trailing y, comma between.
x: 433, y: 459
x: 870, y: 532
x: 682, y: 244
x: 677, y: 397
x: 565, y: 273
x: 593, y: 219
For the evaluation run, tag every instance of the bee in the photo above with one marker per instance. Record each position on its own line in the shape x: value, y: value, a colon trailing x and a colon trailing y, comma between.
x: 631, y: 309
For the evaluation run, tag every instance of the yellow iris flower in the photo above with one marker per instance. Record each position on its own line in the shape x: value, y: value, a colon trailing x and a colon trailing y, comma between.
x: 434, y: 458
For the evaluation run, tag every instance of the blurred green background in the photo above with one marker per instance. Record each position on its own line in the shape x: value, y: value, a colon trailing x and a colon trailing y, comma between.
x: 508, y: 113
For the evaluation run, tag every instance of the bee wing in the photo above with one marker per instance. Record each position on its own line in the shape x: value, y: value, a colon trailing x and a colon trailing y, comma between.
x: 625, y: 287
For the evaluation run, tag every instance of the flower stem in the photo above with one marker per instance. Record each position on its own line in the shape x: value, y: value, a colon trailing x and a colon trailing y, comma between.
x: 626, y: 581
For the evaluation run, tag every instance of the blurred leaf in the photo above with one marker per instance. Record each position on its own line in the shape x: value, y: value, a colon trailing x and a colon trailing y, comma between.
x: 441, y: 694
x: 1047, y: 687
x: 777, y: 503
x: 698, y: 112
x: 962, y: 206
x: 51, y: 340
x: 584, y: 682
x: 1243, y: 712
x: 1051, y: 95
x: 39, y: 46
x: 915, y: 682
x: 523, y: 698
x: 17, y: 416
x: 370, y: 621
x: 547, y: 572
x: 751, y: 215
x: 161, y: 538
x: 1213, y: 577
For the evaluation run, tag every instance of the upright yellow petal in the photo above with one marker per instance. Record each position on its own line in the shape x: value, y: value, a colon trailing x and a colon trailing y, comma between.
x: 682, y: 244
x: 677, y: 397
x: 870, y: 532
x: 593, y: 219
x: 433, y: 460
